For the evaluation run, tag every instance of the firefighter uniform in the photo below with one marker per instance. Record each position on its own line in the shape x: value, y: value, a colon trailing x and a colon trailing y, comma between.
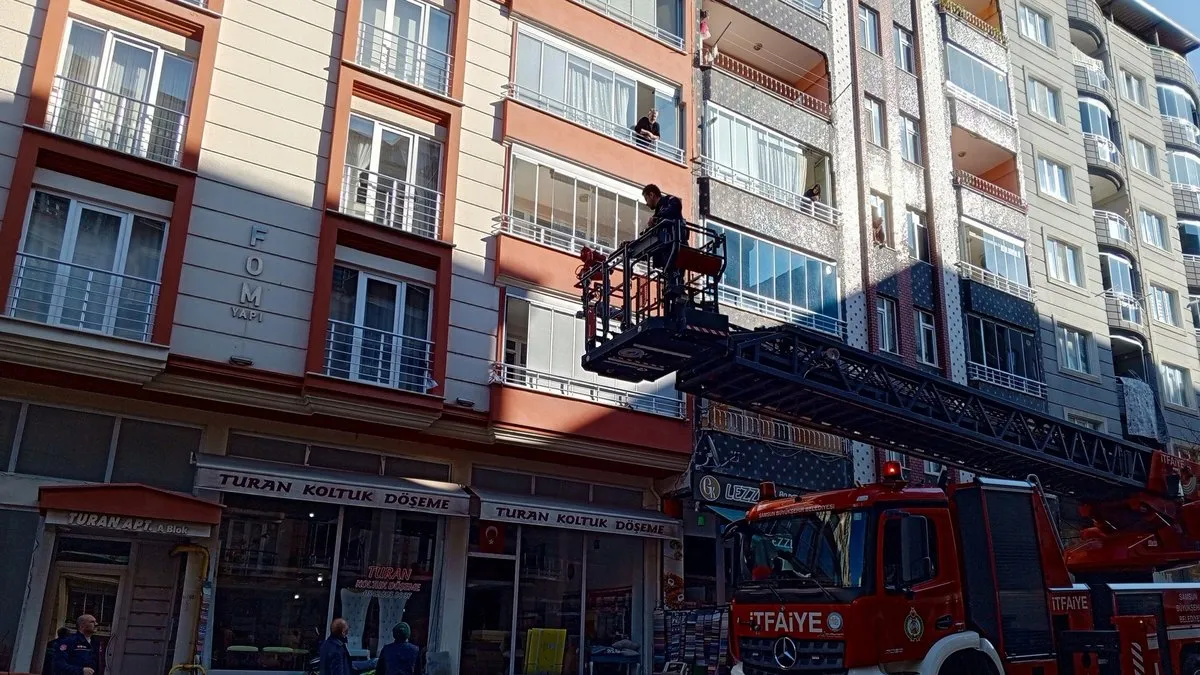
x: 75, y: 653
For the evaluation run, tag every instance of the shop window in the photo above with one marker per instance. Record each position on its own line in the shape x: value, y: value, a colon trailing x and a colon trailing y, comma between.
x: 168, y: 466
x: 549, y: 603
x: 557, y: 488
x: 65, y: 444
x: 700, y: 570
x: 400, y: 467
x: 385, y: 575
x: 269, y: 449
x: 96, y: 551
x: 18, y: 531
x: 487, y: 616
x: 614, y: 579
x: 10, y: 417
x: 273, y: 580
x: 504, y: 481
x: 344, y: 460
x: 605, y: 495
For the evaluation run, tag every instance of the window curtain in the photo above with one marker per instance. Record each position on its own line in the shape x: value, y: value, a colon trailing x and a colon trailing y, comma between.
x: 80, y: 72
x: 135, y: 302
x: 602, y: 94
x: 170, y: 105
x: 625, y: 104
x: 578, y: 73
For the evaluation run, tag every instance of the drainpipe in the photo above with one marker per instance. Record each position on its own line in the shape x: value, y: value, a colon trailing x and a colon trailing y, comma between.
x: 184, y: 549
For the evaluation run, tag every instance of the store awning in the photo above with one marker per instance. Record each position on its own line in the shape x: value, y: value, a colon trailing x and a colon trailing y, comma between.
x: 245, y: 476
x: 131, y: 508
x: 530, y: 510
x: 730, y: 515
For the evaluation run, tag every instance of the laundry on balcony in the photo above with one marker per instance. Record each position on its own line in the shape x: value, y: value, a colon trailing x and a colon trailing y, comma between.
x: 1140, y: 419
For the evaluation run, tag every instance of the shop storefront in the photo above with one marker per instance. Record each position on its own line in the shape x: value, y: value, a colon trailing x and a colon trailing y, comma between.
x: 298, y: 546
x: 561, y: 577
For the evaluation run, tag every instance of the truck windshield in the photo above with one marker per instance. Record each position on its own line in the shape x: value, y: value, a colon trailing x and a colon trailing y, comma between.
x: 826, y: 546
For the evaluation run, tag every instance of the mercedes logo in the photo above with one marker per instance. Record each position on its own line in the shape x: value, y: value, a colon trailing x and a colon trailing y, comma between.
x: 785, y: 652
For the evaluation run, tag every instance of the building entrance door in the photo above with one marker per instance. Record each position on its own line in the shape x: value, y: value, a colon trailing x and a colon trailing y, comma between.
x: 81, y: 588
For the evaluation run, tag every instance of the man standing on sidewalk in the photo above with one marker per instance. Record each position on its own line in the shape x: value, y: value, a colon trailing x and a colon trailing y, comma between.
x: 81, y: 653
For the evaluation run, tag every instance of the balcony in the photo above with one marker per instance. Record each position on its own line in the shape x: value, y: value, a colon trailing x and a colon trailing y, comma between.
x: 1125, y: 311
x: 993, y: 280
x: 783, y: 312
x: 970, y: 18
x: 1113, y: 230
x: 378, y: 357
x: 1103, y: 155
x: 736, y: 422
x: 517, y: 376
x: 1091, y: 78
x: 1181, y: 133
x: 568, y: 242
x: 391, y: 202
x: 756, y: 186
x: 985, y: 188
x: 1173, y: 67
x: 772, y: 85
x: 126, y: 125
x: 977, y: 372
x: 1191, y: 268
x: 983, y: 121
x: 1087, y: 23
x: 397, y: 57
x: 1187, y: 200
x: 623, y: 16
x: 605, y: 127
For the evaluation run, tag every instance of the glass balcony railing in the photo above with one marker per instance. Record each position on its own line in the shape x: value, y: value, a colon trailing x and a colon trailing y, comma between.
x: 1128, y: 307
x: 108, y: 119
x: 1106, y: 150
x: 1117, y: 227
x: 396, y: 56
x: 76, y: 296
x: 1092, y: 69
x: 519, y: 376
x: 379, y: 357
x: 391, y: 202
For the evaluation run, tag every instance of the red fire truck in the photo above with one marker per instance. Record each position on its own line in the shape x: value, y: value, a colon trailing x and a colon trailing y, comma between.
x: 966, y: 579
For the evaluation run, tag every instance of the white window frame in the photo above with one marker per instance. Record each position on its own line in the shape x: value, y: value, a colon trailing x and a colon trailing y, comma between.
x: 886, y: 317
x: 869, y: 29
x: 910, y: 139
x: 931, y: 468
x: 1007, y: 247
x: 1074, y: 349
x: 876, y: 121
x: 1179, y: 393
x: 1153, y: 229
x: 716, y: 145
x: 1133, y: 88
x: 1060, y: 188
x: 1071, y: 271
x: 980, y: 67
x: 906, y: 54
x: 1164, y: 305
x: 1086, y: 420
x: 1035, y: 26
x: 1103, y: 115
x: 1143, y: 156
x: 926, y: 328
x: 1189, y: 162
x: 877, y: 202
x: 1177, y: 92
x: 1044, y: 100
x: 917, y: 231
x: 410, y: 172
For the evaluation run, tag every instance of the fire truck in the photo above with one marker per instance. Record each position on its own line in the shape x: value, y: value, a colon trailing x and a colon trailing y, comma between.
x: 963, y: 579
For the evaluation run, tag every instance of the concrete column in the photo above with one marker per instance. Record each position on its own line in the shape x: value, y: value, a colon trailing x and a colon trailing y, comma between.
x: 26, y: 646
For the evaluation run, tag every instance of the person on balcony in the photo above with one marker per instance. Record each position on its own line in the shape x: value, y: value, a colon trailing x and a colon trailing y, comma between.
x: 646, y: 130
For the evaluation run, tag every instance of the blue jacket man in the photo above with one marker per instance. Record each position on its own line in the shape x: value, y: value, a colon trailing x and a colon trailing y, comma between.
x: 81, y: 653
x: 52, y: 647
x: 335, y: 655
x: 401, y: 657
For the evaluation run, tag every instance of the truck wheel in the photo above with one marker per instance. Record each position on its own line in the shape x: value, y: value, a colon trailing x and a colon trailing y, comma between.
x: 1191, y: 665
x: 972, y: 663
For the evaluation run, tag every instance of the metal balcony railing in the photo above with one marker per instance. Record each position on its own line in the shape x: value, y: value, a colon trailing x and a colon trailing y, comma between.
x: 391, y: 202
x: 771, y: 84
x: 782, y: 311
x: 76, y: 296
x: 736, y: 422
x: 607, y: 127
x: 519, y: 376
x: 129, y: 125
x: 1106, y: 150
x: 622, y: 15
x: 380, y: 357
x: 548, y: 235
x: 988, y: 278
x: 396, y: 56
x: 1093, y: 70
x: 798, y: 202
x: 981, y: 105
x: 1185, y: 186
x: 1000, y: 378
x: 969, y: 18
x: 1130, y: 307
x: 817, y: 9
x: 1118, y: 227
x: 986, y: 188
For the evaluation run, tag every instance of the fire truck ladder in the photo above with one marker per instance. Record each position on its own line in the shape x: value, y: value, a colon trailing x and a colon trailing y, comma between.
x: 639, y: 331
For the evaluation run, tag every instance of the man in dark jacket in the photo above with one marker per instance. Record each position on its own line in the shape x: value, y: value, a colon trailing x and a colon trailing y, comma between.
x: 81, y: 653
x: 668, y: 218
x: 335, y: 655
x: 52, y: 647
x: 401, y: 657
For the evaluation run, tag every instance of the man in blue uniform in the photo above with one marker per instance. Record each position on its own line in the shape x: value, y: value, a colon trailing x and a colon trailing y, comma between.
x: 81, y: 653
x: 52, y: 648
x: 401, y: 657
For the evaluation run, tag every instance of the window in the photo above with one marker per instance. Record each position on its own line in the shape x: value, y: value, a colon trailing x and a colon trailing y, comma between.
x: 918, y: 235
x: 978, y: 79
x: 658, y: 18
x: 1065, y: 262
x: 1073, y: 351
x: 910, y: 139
x: 876, y: 122
x: 1194, y: 310
x: 1176, y: 385
x: 408, y: 40
x: 881, y: 222
x: 997, y: 253
x: 1189, y: 236
x: 1133, y: 88
x: 1054, y: 179
x: 1095, y: 117
x: 1045, y: 100
x: 1143, y: 156
x: 995, y: 345
x: 770, y: 279
x: 926, y: 337
x: 393, y: 177
x: 1175, y: 101
x: 1034, y: 25
x: 932, y: 468
x: 1084, y: 421
x: 379, y: 331
x: 868, y: 29
x: 1165, y: 305
x: 752, y: 156
x: 87, y: 266
x: 1119, y: 281
x: 585, y: 88
x: 885, y: 315
x: 1184, y: 168
x: 553, y: 207
x: 1154, y: 228
x: 906, y: 58
x: 120, y: 92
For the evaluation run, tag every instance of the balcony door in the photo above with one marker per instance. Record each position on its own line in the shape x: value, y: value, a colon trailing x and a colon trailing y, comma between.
x: 90, y: 267
x: 407, y: 40
x: 392, y: 177
x: 121, y: 93
x: 379, y: 331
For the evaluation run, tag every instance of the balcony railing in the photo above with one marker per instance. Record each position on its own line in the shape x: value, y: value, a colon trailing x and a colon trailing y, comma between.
x: 1000, y: 378
x: 782, y: 311
x: 735, y: 422
x: 1118, y: 227
x: 713, y: 169
x: 129, y: 125
x: 622, y: 15
x: 1106, y: 150
x: 817, y: 9
x: 1130, y: 307
x: 981, y: 105
x: 989, y: 189
x: 1093, y: 69
x: 547, y: 235
x: 76, y: 296
x: 607, y: 127
x: 968, y: 17
x: 772, y: 85
x: 198, y: 3
x: 987, y: 278
x: 406, y: 60
x: 1188, y: 127
x: 1188, y: 187
x: 379, y: 357
x: 391, y: 202
x: 518, y: 376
